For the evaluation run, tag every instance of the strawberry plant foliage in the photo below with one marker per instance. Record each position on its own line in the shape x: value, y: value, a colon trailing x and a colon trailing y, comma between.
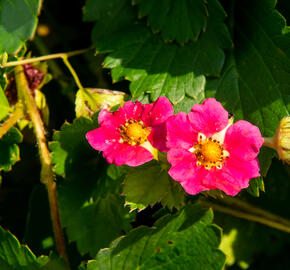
x: 18, y: 23
x: 108, y: 16
x: 9, y: 154
x: 173, y: 20
x: 13, y: 255
x: 170, y: 244
x: 169, y: 55
x: 91, y: 208
x: 149, y: 184
x: 256, y: 73
x: 171, y: 70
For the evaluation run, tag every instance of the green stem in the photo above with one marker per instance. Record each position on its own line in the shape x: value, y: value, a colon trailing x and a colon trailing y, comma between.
x: 12, y: 120
x: 244, y: 206
x: 73, y: 72
x: 248, y: 216
x: 47, y: 175
x: 269, y: 142
x: 44, y: 58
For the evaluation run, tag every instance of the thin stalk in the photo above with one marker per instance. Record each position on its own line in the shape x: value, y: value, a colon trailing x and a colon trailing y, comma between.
x: 244, y: 206
x: 73, y: 72
x: 47, y: 175
x: 269, y: 142
x: 12, y: 120
x: 248, y: 216
x: 44, y: 58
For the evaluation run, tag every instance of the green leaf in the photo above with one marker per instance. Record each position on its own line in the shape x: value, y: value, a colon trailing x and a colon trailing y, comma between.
x: 96, y: 224
x: 150, y: 183
x: 186, y: 104
x: 13, y: 255
x: 176, y: 20
x: 186, y: 240
x: 255, y: 83
x: 4, y: 105
x: 256, y: 185
x: 9, y: 150
x: 160, y: 73
x: 109, y: 16
x: 163, y: 69
x: 18, y: 23
x: 70, y: 145
x: 91, y: 212
x: 90, y: 100
x: 91, y: 209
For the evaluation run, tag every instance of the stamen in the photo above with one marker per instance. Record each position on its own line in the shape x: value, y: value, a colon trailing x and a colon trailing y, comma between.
x: 219, y: 166
x: 201, y: 137
x: 134, y: 132
x: 209, y: 152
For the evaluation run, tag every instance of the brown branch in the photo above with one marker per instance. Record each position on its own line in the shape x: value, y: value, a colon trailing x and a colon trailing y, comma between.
x: 47, y: 175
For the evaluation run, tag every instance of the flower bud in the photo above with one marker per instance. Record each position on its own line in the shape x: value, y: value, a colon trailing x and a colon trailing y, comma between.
x: 282, y: 139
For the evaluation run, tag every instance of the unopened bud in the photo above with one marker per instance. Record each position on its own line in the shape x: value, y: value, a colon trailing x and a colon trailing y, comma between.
x: 282, y: 140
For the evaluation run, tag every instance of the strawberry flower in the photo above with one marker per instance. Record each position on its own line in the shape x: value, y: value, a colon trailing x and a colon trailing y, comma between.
x: 130, y: 135
x: 207, y: 151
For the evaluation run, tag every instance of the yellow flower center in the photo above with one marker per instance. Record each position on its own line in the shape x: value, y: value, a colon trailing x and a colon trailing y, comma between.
x: 209, y: 152
x: 134, y: 132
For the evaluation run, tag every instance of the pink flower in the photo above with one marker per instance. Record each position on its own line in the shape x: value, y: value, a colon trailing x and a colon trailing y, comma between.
x: 207, y: 151
x: 131, y: 134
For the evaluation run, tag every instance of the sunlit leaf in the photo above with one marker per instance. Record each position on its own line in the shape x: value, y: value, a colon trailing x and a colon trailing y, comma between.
x: 18, y: 23
x: 186, y: 240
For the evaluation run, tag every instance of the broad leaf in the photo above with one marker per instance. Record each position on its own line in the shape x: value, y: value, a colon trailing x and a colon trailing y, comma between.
x: 91, y: 212
x: 91, y: 209
x: 18, y: 23
x: 171, y: 70
x: 109, y: 16
x: 176, y: 20
x: 186, y: 240
x: 96, y: 224
x: 150, y: 183
x: 70, y: 145
x: 4, y: 105
x: 14, y: 256
x: 255, y: 84
x: 9, y: 150
x: 163, y: 69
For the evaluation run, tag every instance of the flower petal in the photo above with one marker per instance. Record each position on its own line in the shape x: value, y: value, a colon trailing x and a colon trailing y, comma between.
x: 242, y: 170
x: 102, y: 138
x: 185, y: 171
x: 157, y: 137
x: 223, y: 180
x: 125, y: 154
x: 183, y: 164
x: 157, y: 112
x: 110, y: 119
x: 179, y: 132
x: 131, y: 110
x: 243, y: 140
x: 209, y: 117
x: 194, y: 184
